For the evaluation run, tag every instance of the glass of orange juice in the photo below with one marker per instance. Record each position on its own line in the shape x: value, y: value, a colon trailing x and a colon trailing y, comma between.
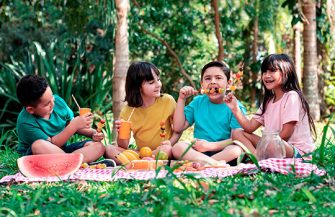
x: 124, y: 131
x: 83, y: 111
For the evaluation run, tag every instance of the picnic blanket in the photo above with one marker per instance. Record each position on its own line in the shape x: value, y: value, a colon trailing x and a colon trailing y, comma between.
x: 283, y: 166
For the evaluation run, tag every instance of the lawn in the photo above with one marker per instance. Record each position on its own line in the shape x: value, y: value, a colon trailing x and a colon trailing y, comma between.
x: 262, y: 194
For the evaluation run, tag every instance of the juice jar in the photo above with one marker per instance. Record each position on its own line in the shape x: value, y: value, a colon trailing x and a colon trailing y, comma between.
x: 270, y: 146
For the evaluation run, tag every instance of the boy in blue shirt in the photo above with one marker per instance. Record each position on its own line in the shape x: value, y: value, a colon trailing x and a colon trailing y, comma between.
x: 214, y: 123
x: 46, y: 123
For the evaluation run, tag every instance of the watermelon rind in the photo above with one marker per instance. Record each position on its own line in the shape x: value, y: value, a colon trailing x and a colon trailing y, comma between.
x: 49, y: 165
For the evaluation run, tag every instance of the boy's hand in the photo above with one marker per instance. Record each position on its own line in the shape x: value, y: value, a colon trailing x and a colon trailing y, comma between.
x: 84, y: 121
x: 186, y: 92
x: 231, y: 101
x: 201, y: 145
x: 97, y: 137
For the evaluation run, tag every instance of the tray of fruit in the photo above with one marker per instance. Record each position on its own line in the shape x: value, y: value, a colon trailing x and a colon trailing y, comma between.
x: 181, y: 166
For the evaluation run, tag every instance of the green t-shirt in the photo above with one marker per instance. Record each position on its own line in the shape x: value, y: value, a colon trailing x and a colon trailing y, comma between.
x: 31, y: 128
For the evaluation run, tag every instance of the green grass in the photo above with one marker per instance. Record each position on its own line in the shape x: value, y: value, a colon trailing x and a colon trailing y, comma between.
x: 262, y: 194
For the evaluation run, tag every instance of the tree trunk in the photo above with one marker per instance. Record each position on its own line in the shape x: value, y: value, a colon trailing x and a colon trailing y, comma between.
x: 254, y: 75
x: 297, y: 50
x: 121, y: 57
x: 310, y: 78
x: 323, y: 60
x: 217, y: 30
x: 331, y: 14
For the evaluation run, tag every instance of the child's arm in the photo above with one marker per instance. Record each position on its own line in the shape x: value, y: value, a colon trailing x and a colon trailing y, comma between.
x: 92, y: 133
x: 173, y: 140
x: 287, y: 130
x: 79, y: 122
x: 179, y: 121
x: 249, y: 126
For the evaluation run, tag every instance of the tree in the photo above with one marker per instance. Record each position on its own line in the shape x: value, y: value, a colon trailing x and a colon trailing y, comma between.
x: 217, y: 30
x: 310, y: 78
x: 121, y: 56
x: 297, y: 49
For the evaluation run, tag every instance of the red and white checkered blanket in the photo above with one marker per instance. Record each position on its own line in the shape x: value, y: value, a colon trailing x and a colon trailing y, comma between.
x: 283, y: 166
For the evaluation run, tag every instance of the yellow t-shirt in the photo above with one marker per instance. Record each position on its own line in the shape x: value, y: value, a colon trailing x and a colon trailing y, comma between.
x: 145, y: 122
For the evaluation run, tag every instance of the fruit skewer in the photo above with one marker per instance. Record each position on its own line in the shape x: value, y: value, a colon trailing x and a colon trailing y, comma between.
x: 100, y: 125
x: 211, y: 90
x: 233, y: 84
x: 162, y: 133
x: 235, y: 81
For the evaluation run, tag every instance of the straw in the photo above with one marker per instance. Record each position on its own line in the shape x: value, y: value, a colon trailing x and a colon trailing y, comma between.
x: 76, y: 102
x: 131, y: 114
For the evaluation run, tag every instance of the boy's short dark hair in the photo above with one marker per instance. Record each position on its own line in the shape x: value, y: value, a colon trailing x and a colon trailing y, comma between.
x: 30, y: 88
x: 224, y: 67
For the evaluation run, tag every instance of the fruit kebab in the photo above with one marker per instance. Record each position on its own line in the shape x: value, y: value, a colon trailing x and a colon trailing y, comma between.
x: 235, y: 81
x: 162, y: 133
x: 211, y: 90
x: 100, y: 125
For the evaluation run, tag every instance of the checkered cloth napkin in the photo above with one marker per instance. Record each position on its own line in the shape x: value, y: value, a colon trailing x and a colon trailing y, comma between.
x: 283, y: 166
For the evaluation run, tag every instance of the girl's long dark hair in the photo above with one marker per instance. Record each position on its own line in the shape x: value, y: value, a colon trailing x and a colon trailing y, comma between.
x: 283, y: 63
x: 137, y: 73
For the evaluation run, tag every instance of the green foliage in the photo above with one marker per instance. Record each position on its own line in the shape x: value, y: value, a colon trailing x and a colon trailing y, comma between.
x: 46, y: 39
x: 182, y: 28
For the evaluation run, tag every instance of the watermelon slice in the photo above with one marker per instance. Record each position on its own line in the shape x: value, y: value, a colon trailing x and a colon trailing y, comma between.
x: 46, y: 165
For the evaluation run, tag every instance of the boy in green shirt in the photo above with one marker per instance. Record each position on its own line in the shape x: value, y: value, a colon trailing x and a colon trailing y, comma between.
x: 46, y: 123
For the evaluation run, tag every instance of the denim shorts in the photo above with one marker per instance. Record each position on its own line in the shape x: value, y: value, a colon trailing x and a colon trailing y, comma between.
x: 68, y: 148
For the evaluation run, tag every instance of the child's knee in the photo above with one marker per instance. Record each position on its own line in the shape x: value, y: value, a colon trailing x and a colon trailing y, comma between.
x: 178, y: 149
x: 40, y: 145
x: 235, y: 150
x: 111, y: 151
x: 98, y: 146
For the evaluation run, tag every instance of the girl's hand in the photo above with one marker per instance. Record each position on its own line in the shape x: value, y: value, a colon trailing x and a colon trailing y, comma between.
x: 231, y: 101
x: 166, y: 142
x: 82, y: 122
x: 186, y: 92
x: 201, y: 145
x: 97, y: 137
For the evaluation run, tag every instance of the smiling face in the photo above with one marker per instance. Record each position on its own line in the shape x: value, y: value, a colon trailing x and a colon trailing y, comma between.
x: 272, y: 79
x: 45, y: 105
x: 151, y: 88
x: 214, y: 77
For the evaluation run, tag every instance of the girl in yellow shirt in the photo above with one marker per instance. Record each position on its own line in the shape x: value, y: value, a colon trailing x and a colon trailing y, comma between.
x: 148, y: 110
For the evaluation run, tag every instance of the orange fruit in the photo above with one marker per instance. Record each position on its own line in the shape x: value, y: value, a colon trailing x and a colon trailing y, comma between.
x: 145, y: 152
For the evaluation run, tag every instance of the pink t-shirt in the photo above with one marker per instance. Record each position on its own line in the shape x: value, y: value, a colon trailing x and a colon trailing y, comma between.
x: 287, y: 109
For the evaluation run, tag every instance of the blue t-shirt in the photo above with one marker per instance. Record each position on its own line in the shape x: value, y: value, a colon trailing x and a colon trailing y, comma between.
x: 31, y: 128
x: 212, y: 122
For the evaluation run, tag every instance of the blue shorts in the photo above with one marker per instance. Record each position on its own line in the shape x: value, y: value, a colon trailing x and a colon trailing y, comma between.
x: 68, y: 148
x: 296, y: 153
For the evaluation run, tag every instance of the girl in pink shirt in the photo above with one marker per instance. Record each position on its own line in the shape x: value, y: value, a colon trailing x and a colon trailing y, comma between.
x: 284, y: 109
